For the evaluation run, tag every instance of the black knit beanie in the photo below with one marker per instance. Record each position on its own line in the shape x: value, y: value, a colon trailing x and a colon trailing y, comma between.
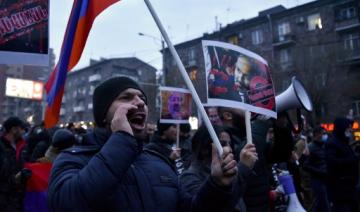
x: 13, y: 121
x: 63, y: 139
x: 106, y: 93
x: 162, y: 127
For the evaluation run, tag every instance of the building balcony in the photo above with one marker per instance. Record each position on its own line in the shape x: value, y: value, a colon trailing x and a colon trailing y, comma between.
x: 346, y: 16
x: 347, y: 26
x: 284, y: 40
x: 95, y: 78
x: 79, y: 109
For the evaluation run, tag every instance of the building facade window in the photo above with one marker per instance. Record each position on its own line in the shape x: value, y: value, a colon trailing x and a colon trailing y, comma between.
x: 321, y: 80
x: 285, y: 56
x: 352, y: 41
x: 91, y: 90
x: 284, y: 59
x: 283, y: 29
x: 257, y: 37
x: 192, y: 55
x: 139, y: 72
x: 346, y: 13
x: 314, y: 22
x: 356, y: 108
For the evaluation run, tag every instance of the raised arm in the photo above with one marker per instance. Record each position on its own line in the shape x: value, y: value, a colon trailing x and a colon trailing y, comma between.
x: 79, y: 177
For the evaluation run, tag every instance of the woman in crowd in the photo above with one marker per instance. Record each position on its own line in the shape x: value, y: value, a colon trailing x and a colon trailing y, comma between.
x: 199, y: 169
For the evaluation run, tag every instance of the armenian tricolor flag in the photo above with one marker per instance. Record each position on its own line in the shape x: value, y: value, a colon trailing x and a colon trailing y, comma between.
x: 37, y: 187
x: 81, y: 19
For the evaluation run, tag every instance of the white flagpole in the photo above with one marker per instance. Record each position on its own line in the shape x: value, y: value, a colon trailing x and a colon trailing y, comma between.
x: 186, y: 78
x: 248, y: 127
x: 177, y: 136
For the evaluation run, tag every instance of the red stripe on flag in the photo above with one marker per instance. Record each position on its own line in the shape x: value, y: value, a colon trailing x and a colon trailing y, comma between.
x: 52, y: 113
x: 39, y: 179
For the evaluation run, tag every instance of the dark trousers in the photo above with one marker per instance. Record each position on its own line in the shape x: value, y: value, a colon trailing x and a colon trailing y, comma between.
x: 321, y: 203
x: 345, y: 206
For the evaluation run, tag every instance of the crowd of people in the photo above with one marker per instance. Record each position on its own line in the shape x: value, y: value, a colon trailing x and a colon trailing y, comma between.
x: 128, y: 164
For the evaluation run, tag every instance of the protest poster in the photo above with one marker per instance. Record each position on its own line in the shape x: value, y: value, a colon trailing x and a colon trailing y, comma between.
x: 175, y: 105
x: 24, y: 32
x: 238, y: 78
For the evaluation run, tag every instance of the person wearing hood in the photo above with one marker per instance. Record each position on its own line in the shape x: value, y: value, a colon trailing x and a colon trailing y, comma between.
x: 342, y: 165
x: 112, y: 172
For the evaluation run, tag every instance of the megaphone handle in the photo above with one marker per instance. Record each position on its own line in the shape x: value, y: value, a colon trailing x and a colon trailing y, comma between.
x: 248, y: 127
x: 300, y: 124
x: 299, y: 120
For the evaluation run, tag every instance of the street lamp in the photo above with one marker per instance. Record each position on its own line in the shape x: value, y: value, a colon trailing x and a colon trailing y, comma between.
x: 162, y: 50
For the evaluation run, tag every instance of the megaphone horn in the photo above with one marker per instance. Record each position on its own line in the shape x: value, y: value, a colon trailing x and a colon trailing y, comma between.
x: 295, y: 96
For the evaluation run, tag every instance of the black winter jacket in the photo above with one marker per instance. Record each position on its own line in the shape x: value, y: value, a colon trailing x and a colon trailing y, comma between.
x: 257, y: 187
x: 11, y: 194
x: 315, y: 163
x: 112, y: 173
x: 343, y: 170
x: 198, y: 172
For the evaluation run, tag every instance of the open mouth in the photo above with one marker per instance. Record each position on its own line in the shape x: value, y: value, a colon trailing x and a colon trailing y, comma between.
x: 137, y: 120
x: 176, y: 108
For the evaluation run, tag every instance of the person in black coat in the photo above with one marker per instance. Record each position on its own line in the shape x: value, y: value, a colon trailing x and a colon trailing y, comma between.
x: 199, y: 169
x: 256, y: 196
x: 162, y: 142
x: 12, y: 175
x: 343, y: 168
x: 315, y: 165
x: 111, y: 172
x: 185, y: 144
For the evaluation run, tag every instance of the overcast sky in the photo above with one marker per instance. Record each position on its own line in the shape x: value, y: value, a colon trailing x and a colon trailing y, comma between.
x: 115, y: 31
